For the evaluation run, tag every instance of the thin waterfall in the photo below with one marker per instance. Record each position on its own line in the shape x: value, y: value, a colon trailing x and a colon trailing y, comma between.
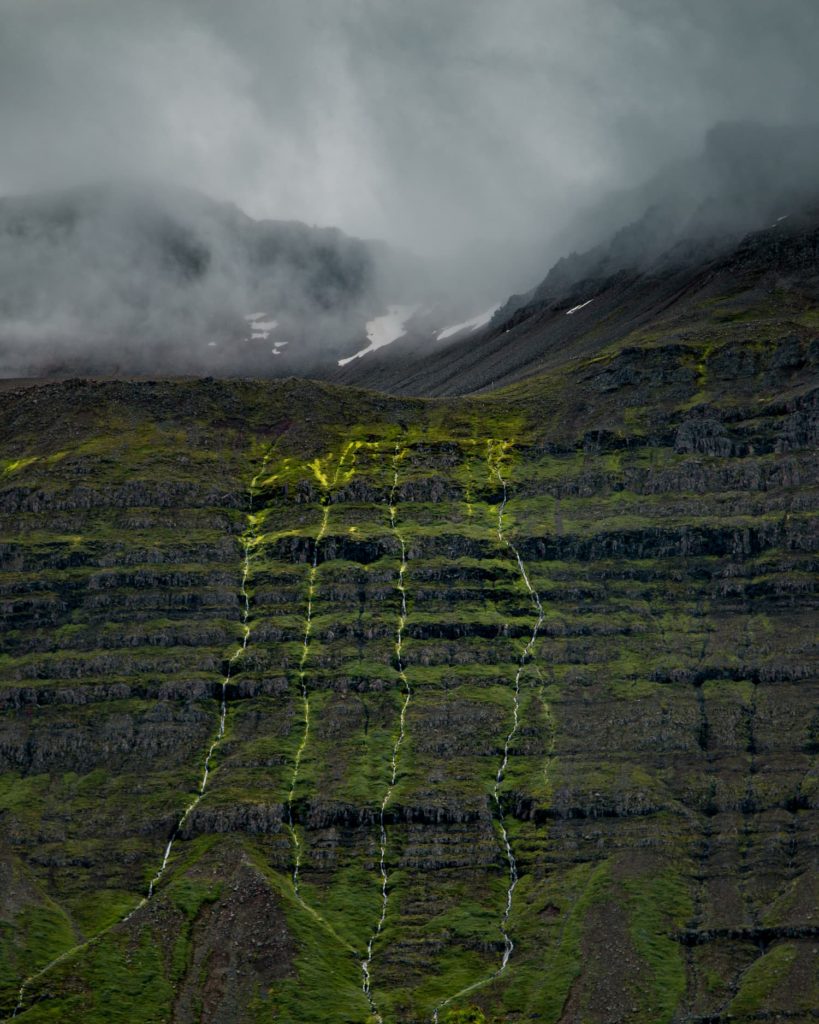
x: 524, y: 659
x: 305, y: 698
x: 366, y: 964
x: 248, y: 541
x: 493, y: 459
x: 328, y: 486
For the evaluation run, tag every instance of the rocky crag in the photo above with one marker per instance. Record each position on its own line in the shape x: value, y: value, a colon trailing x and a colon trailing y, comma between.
x: 323, y: 706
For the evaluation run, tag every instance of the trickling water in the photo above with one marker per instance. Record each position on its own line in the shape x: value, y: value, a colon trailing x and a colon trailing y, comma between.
x: 247, y: 544
x: 305, y: 698
x: 508, y: 944
x: 524, y: 658
x: 407, y: 697
x: 328, y: 487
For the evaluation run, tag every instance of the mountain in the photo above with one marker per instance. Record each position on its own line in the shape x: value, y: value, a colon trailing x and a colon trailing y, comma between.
x: 128, y: 279
x: 737, y: 222
x: 486, y: 697
x: 692, y: 290
x: 321, y: 705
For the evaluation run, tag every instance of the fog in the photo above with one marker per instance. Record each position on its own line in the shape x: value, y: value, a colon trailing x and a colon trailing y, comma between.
x: 424, y: 123
x: 470, y: 131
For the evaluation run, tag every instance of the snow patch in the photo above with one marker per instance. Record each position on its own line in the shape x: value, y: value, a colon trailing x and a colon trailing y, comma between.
x: 383, y: 330
x: 277, y: 347
x: 259, y: 328
x: 477, y: 321
x: 574, y: 309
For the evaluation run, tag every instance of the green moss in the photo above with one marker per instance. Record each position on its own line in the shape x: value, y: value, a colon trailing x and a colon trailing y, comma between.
x: 469, y: 1015
x: 189, y: 895
x: 37, y: 934
x: 119, y: 983
x: 15, y: 465
x: 561, y: 961
x: 326, y: 983
x: 657, y: 907
x: 762, y: 979
x: 609, y: 721
x: 107, y: 907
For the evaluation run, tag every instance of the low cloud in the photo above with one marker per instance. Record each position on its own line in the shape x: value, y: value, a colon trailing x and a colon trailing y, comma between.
x: 469, y: 131
x: 426, y: 124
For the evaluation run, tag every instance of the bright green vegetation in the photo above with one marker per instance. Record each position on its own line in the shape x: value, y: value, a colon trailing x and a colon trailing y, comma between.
x: 762, y: 978
x: 660, y: 794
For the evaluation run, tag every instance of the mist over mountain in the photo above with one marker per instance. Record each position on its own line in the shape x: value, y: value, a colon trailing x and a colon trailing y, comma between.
x: 745, y: 175
x: 150, y: 278
x: 465, y: 129
x: 657, y: 244
x: 142, y: 278
x: 488, y: 143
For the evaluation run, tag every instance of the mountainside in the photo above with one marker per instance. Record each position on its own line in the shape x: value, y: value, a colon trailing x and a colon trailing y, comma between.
x: 698, y: 288
x: 127, y: 279
x: 746, y: 175
x: 132, y: 279
x: 739, y: 222
x: 321, y: 705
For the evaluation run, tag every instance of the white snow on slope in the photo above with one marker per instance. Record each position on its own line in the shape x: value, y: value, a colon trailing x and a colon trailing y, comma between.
x: 268, y: 325
x: 477, y: 321
x: 277, y: 347
x: 383, y: 330
x: 574, y: 309
x: 260, y: 329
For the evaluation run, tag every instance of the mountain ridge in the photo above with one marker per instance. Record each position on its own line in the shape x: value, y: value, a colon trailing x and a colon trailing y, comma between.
x: 527, y: 337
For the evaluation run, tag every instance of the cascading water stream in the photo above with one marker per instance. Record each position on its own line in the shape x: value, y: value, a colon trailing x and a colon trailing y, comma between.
x: 305, y: 699
x: 493, y: 460
x: 247, y: 543
x: 366, y: 984
x: 327, y: 486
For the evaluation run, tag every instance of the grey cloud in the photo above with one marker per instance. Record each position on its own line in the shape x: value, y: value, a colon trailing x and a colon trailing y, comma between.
x: 473, y: 132
x: 425, y: 123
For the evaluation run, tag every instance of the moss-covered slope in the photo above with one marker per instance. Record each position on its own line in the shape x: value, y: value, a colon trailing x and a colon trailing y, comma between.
x: 519, y: 696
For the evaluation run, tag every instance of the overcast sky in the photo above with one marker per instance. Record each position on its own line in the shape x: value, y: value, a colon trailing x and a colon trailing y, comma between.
x: 425, y: 122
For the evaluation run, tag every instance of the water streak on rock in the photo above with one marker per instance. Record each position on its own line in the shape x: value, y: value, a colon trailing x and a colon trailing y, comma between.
x: 396, y: 750
x: 248, y: 542
x: 494, y: 455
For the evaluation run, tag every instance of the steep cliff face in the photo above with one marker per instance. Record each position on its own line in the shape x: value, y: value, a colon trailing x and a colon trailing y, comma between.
x: 323, y: 706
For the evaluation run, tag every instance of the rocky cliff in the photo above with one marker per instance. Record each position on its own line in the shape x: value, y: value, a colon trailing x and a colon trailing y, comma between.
x: 321, y: 706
